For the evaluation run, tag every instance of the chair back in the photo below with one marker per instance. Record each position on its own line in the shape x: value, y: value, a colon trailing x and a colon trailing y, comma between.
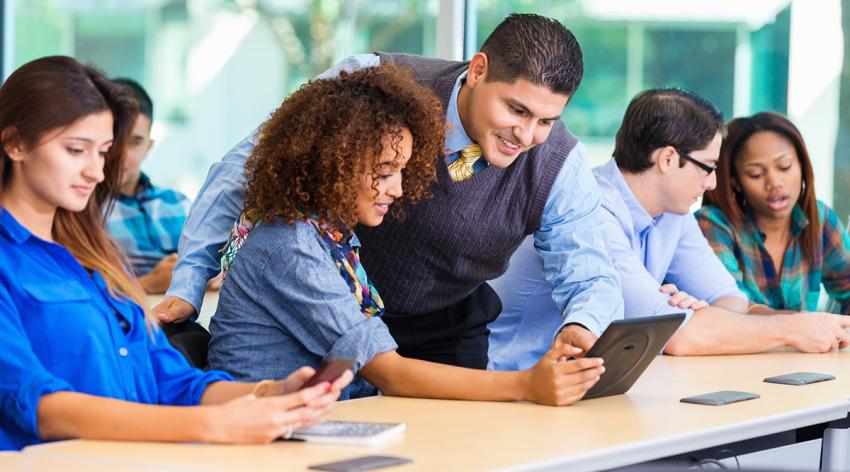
x: 191, y: 339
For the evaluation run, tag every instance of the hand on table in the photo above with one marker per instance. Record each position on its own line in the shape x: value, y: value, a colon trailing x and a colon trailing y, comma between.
x: 816, y: 332
x: 250, y: 419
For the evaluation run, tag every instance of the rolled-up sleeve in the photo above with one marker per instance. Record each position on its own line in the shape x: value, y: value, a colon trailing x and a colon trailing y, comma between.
x: 571, y: 241
x: 23, y: 378
x: 178, y: 383
x: 303, y: 290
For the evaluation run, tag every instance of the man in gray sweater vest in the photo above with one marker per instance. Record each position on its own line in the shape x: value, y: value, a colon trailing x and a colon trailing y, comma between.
x: 431, y: 269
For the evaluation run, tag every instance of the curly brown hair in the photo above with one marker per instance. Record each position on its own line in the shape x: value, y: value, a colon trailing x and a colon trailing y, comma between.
x: 325, y: 136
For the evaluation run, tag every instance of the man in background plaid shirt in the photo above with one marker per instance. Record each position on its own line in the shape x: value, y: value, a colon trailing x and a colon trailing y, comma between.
x: 147, y: 219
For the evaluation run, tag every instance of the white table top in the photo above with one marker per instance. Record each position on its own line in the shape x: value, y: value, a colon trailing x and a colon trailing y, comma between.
x: 647, y: 423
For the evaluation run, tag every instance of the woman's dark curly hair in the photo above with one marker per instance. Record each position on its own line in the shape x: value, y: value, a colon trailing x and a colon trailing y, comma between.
x: 314, y: 149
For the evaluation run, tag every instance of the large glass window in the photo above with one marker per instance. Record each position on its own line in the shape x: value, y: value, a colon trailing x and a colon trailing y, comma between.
x: 629, y: 49
x: 216, y: 68
x: 745, y: 57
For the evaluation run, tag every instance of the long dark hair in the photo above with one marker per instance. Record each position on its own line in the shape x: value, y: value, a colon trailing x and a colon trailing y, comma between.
x: 732, y: 202
x: 52, y: 93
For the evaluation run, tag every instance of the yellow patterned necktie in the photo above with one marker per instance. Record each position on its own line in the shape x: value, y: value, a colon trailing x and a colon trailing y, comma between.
x: 462, y: 168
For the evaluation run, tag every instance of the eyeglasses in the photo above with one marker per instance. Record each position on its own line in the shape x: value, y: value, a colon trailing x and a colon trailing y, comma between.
x: 702, y: 165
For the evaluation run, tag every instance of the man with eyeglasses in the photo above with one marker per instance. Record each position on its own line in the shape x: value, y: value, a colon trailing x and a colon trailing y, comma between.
x: 665, y: 154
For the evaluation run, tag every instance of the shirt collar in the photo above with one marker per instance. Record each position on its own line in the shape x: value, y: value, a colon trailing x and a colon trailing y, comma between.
x: 143, y: 189
x: 144, y: 182
x: 456, y: 137
x: 641, y: 219
x: 13, y: 230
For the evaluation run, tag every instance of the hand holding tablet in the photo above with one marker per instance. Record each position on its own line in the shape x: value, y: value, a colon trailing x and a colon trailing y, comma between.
x: 628, y: 347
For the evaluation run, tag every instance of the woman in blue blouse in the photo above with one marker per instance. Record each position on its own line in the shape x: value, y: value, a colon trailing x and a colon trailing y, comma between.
x: 80, y: 357
x: 331, y: 157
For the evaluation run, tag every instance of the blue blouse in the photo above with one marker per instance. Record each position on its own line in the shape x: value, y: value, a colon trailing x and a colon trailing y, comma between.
x: 60, y: 330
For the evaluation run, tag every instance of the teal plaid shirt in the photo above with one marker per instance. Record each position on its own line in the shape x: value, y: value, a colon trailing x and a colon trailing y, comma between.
x: 147, y: 225
x: 797, y: 286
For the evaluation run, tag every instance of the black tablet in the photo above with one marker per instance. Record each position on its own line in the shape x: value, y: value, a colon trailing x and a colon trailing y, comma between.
x: 628, y: 347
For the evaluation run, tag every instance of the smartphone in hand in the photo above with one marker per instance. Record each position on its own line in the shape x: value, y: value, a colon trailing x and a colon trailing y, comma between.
x: 329, y: 371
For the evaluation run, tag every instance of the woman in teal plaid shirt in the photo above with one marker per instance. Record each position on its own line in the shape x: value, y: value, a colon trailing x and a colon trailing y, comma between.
x: 765, y: 223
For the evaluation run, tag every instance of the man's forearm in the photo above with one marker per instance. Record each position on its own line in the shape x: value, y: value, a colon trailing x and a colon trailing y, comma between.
x: 734, y: 304
x: 713, y: 330
x: 216, y: 208
x: 759, y: 309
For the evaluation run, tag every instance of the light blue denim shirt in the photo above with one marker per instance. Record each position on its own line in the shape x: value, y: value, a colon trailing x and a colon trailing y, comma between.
x: 646, y: 251
x: 284, y: 305
x: 570, y: 239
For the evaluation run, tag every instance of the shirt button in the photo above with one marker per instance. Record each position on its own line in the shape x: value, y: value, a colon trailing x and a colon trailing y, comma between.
x: 122, y: 352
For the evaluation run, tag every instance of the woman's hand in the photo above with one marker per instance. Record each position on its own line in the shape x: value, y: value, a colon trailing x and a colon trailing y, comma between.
x: 296, y: 379
x: 682, y: 299
x: 250, y: 420
x: 557, y: 380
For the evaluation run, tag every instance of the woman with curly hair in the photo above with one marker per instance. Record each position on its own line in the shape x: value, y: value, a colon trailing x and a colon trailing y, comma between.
x: 764, y: 221
x: 331, y: 157
x: 81, y: 358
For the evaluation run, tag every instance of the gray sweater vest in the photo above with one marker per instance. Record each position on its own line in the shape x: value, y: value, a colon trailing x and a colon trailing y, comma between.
x: 466, y: 233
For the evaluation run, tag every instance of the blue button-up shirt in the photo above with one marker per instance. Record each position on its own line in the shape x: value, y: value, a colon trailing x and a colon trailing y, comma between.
x: 60, y: 330
x: 647, y: 252
x: 570, y: 238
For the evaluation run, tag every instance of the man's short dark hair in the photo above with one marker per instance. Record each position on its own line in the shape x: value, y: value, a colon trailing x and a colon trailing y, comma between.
x: 535, y: 48
x: 662, y: 117
x: 138, y: 92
